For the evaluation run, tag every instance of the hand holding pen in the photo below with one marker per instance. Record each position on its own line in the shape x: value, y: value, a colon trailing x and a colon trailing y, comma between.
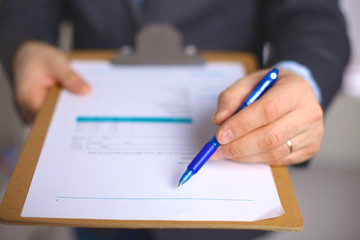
x: 261, y: 132
x: 209, y: 149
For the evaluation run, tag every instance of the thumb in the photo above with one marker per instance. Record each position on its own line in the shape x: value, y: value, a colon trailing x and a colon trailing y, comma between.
x: 67, y: 77
x: 73, y: 82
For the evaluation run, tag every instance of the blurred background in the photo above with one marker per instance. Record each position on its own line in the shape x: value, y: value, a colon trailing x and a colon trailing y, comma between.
x: 328, y: 190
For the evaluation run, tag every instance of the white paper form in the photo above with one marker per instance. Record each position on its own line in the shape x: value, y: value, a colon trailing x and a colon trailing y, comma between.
x: 118, y: 152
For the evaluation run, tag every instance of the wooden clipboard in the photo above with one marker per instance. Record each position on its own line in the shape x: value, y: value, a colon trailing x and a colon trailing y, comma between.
x: 14, y: 198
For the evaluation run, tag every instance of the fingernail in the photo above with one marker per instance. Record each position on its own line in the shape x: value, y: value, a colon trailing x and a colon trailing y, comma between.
x: 83, y: 87
x: 218, y: 112
x: 225, y: 137
x: 218, y: 155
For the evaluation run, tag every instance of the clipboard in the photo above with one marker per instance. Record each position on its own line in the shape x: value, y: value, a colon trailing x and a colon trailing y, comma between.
x: 15, y: 196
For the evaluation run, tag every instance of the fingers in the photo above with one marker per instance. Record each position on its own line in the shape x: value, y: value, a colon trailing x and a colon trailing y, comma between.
x: 32, y: 85
x: 259, y: 132
x: 67, y: 77
x: 304, y: 146
x: 271, y: 146
x: 266, y: 138
x: 267, y: 109
x: 38, y: 67
x: 230, y: 99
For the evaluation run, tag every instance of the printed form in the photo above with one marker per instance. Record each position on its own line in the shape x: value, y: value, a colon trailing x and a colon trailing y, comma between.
x: 118, y: 152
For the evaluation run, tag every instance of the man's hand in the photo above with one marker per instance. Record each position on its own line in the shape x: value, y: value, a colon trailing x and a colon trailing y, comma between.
x: 259, y: 132
x: 37, y: 67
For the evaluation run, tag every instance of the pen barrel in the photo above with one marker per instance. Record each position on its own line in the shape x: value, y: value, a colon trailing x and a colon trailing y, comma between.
x: 265, y: 84
x: 201, y: 158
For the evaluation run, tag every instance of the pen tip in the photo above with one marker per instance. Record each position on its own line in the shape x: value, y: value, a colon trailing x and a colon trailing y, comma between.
x: 179, y: 185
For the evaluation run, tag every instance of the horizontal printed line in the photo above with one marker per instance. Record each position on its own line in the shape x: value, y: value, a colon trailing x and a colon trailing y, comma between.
x: 172, y: 199
x: 133, y: 119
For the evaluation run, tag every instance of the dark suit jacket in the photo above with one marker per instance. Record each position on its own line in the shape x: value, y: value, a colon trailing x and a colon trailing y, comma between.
x: 311, y: 32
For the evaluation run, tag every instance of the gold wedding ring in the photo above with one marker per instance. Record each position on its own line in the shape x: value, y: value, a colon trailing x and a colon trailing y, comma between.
x: 289, y: 143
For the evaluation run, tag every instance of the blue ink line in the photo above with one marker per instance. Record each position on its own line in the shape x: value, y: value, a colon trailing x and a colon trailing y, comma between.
x: 191, y: 199
x: 133, y: 119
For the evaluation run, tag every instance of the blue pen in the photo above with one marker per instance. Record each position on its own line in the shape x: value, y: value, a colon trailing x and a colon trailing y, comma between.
x: 209, y: 149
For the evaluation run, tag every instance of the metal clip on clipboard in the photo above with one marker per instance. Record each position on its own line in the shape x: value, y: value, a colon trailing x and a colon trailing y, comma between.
x: 158, y: 44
